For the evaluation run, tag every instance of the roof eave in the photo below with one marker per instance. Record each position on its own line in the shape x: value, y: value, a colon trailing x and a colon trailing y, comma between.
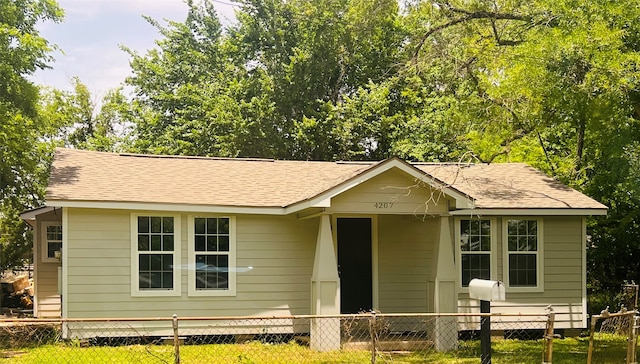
x: 33, y: 213
x: 30, y: 216
x: 152, y: 206
x: 531, y: 212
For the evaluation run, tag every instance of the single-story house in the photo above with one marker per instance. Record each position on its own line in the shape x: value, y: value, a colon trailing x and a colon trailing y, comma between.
x: 130, y: 235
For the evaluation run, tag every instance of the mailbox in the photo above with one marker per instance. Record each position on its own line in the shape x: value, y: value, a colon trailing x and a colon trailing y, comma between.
x: 486, y: 290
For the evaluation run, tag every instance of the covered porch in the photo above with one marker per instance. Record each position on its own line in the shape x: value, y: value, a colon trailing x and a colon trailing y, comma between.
x: 391, y: 263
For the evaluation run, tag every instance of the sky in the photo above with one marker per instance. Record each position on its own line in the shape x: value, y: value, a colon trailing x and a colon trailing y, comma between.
x: 93, y: 30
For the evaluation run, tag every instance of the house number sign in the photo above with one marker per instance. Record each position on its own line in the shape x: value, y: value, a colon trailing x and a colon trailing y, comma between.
x: 383, y: 205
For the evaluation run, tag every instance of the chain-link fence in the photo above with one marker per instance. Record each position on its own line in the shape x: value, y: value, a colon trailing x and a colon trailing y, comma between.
x: 363, y: 338
x: 613, y: 337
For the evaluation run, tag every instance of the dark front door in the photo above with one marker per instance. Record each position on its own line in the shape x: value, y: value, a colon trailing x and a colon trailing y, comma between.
x: 354, y: 264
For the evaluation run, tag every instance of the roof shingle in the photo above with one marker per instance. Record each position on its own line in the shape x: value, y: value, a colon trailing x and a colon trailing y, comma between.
x: 107, y: 177
x: 510, y: 185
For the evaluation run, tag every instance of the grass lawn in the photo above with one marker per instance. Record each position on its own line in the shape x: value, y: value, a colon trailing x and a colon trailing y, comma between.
x: 609, y: 349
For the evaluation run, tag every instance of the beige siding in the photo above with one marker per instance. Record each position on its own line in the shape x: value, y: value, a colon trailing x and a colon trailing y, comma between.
x: 279, y: 251
x: 275, y: 257
x: 563, y: 284
x: 46, y: 291
x: 406, y: 247
x: 47, y: 297
x: 393, y: 192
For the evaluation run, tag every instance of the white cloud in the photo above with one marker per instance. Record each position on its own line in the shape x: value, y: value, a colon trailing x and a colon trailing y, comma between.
x: 92, y: 32
x: 95, y: 8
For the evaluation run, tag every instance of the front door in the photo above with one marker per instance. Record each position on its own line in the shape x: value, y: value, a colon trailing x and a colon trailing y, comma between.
x: 355, y: 264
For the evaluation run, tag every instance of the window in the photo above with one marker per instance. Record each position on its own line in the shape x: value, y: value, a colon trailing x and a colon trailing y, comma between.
x: 52, y: 242
x: 523, y: 247
x: 211, y: 256
x: 475, y: 244
x: 155, y: 255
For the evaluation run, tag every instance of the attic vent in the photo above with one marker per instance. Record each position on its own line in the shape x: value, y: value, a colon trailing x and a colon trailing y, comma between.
x: 161, y: 156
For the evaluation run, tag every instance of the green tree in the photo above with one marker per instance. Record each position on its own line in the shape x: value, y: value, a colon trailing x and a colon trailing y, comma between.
x: 81, y: 123
x: 266, y: 85
x: 552, y: 83
x: 22, y: 166
x: 314, y: 56
x: 185, y: 90
x: 402, y: 116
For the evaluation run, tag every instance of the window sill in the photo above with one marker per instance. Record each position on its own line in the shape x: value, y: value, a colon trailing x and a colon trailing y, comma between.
x: 158, y: 293
x: 212, y: 293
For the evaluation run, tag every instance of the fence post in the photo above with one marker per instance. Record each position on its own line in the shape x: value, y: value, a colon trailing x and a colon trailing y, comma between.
x: 631, y: 349
x: 621, y: 321
x: 176, y: 339
x: 548, y: 337
x: 485, y: 332
x: 374, y: 334
x: 592, y: 330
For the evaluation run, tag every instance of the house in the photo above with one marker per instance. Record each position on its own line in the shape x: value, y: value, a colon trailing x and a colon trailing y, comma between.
x: 128, y: 235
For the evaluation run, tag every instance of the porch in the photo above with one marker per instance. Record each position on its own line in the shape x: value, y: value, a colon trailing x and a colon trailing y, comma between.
x: 387, y: 263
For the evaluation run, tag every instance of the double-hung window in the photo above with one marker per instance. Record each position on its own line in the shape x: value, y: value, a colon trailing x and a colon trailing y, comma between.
x: 212, y: 266
x: 523, y: 247
x: 155, y: 255
x: 475, y: 244
x: 52, y: 242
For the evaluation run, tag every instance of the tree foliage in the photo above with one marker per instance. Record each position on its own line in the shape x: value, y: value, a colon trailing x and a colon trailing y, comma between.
x: 264, y: 87
x: 22, y: 52
x: 78, y: 122
x: 552, y: 83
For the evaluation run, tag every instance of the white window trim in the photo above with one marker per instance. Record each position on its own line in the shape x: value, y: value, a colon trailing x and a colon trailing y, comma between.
x: 539, y: 258
x: 493, y: 253
x: 45, y: 242
x: 191, y: 260
x: 177, y: 247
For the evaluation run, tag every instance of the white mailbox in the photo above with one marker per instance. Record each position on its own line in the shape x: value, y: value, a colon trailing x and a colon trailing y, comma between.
x: 486, y: 290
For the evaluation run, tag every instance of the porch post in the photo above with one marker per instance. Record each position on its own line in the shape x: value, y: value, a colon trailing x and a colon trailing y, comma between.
x: 445, y: 296
x: 325, y: 291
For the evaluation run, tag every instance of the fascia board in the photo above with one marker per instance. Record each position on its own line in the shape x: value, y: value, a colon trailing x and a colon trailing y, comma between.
x: 32, y: 214
x: 169, y: 207
x: 531, y: 212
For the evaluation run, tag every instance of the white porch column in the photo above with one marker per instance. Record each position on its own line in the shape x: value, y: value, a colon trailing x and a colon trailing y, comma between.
x: 325, y: 291
x: 445, y: 296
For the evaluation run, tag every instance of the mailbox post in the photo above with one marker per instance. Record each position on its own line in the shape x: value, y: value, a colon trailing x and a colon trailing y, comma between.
x: 486, y: 291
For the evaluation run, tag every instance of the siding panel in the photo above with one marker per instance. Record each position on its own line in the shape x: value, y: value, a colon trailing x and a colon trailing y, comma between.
x: 47, y: 299
x: 405, y: 249
x: 562, y: 237
x: 275, y: 255
x: 393, y: 192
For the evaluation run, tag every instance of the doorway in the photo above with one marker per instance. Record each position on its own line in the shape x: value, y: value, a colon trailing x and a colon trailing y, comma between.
x: 354, y: 237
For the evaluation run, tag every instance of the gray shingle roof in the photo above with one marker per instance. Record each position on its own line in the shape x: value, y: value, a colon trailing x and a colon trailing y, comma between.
x: 510, y: 185
x: 107, y: 177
